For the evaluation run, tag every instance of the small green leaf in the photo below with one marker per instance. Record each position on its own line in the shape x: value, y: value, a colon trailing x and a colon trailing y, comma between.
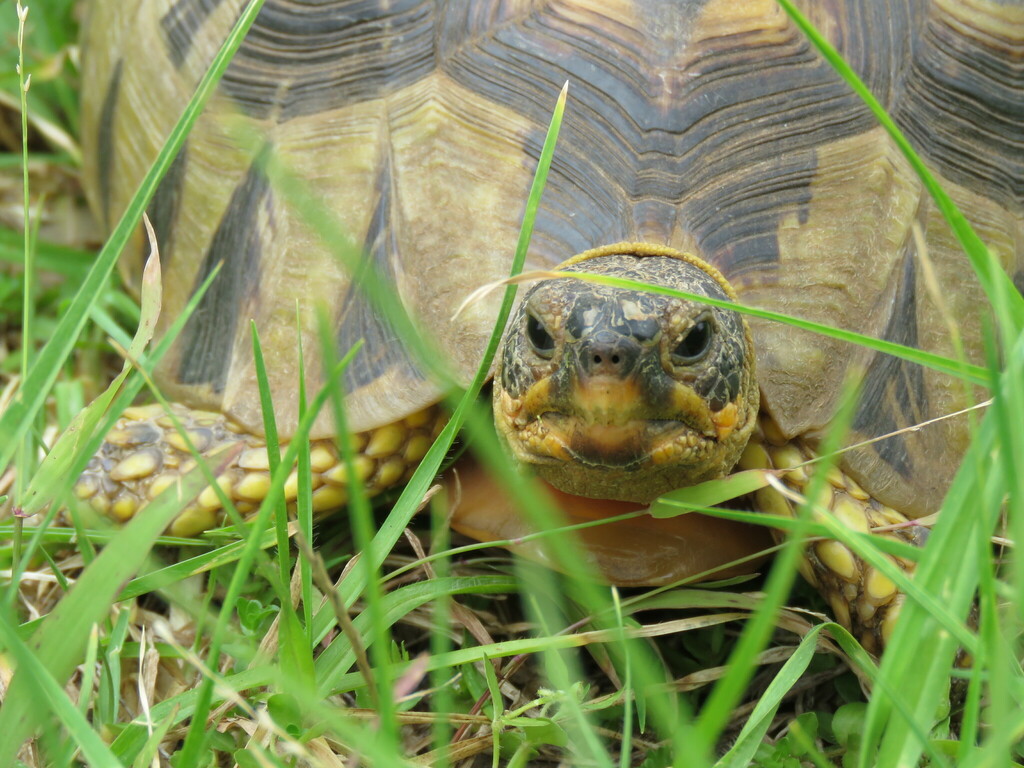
x: 540, y: 731
x: 252, y: 614
x: 295, y: 655
x: 47, y: 690
x: 848, y: 724
x: 286, y: 711
x: 760, y: 719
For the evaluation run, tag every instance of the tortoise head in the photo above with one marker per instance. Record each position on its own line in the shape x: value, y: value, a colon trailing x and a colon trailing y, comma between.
x: 625, y: 394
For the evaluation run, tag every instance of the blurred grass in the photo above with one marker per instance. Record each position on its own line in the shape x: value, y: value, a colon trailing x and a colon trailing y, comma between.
x: 50, y: 48
x: 919, y: 656
x: 569, y: 709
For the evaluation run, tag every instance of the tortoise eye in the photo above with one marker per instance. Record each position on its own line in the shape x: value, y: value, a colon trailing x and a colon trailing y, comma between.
x: 695, y: 344
x: 541, y: 341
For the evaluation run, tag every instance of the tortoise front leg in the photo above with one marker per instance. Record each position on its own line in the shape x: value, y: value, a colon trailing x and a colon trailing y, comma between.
x: 863, y: 599
x: 144, y: 454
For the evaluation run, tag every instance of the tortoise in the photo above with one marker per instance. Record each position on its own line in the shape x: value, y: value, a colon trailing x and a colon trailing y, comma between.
x: 706, y: 147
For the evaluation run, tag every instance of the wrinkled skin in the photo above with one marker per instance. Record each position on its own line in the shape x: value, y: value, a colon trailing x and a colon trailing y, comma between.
x: 625, y: 394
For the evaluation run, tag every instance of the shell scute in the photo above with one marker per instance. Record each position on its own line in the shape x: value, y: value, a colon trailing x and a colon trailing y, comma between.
x: 709, y: 126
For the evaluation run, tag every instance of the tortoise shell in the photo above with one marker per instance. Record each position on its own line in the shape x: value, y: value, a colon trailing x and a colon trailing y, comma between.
x: 708, y: 125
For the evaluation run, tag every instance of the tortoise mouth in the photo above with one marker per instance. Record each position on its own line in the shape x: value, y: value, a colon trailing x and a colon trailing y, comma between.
x: 623, y: 445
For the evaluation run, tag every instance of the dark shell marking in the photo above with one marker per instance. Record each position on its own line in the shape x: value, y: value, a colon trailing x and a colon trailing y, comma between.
x: 163, y: 208
x: 105, y: 140
x: 211, y: 332
x: 708, y: 125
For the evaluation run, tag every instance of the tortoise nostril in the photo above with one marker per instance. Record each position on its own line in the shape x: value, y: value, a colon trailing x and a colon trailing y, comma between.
x: 608, y: 354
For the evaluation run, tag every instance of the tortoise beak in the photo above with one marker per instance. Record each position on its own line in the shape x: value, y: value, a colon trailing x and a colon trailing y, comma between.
x: 606, y: 400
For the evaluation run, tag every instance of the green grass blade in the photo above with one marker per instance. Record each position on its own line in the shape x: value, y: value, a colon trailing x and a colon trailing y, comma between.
x: 182, y: 569
x: 194, y: 739
x: 273, y: 452
x: 28, y: 296
x: 18, y: 418
x: 132, y: 739
x: 304, y: 514
x: 52, y: 100
x: 362, y: 525
x: 68, y: 457
x: 396, y: 604
x: 60, y: 641
x: 338, y: 658
x: 72, y: 263
x: 392, y: 528
x: 53, y: 469
x: 972, y: 373
x: 149, y: 752
x: 742, y: 750
x: 46, y: 687
x: 709, y: 493
x: 919, y: 658
x: 440, y: 643
x: 726, y: 693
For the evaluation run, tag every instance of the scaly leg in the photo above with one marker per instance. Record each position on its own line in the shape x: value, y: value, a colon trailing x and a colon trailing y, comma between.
x: 863, y: 599
x: 143, y: 455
